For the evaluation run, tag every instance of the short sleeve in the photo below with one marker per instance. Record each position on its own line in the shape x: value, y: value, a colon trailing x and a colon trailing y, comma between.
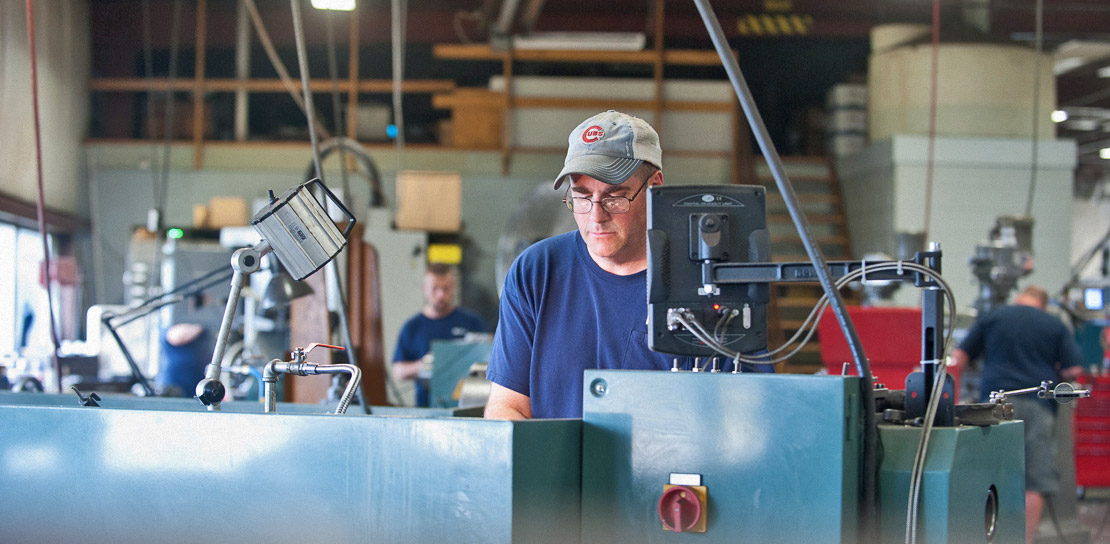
x: 510, y: 360
x: 405, y: 342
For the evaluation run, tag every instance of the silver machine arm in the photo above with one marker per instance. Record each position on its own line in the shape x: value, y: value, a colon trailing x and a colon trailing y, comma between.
x: 1063, y: 393
x: 246, y: 261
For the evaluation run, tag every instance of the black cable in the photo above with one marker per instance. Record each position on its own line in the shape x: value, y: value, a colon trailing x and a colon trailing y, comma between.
x: 333, y: 72
x: 106, y: 319
x: 153, y: 303
x: 191, y: 288
x: 327, y: 147
x: 162, y: 187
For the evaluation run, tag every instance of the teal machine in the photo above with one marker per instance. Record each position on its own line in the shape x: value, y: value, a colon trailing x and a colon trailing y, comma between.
x: 147, y: 470
x: 776, y: 459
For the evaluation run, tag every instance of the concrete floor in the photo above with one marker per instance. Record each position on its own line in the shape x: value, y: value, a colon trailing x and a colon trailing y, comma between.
x: 1090, y: 525
x: 1094, y: 514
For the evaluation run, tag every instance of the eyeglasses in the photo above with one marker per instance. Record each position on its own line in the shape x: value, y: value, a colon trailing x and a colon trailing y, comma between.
x: 610, y: 204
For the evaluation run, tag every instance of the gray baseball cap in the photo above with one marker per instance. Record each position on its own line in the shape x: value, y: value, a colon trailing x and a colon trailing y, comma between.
x: 609, y: 147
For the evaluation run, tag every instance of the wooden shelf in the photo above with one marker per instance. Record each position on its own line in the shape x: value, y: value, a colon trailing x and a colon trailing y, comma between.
x: 274, y: 85
x: 680, y: 57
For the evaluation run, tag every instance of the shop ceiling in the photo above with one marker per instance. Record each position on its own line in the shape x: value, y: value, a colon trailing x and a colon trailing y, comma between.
x: 1076, y: 32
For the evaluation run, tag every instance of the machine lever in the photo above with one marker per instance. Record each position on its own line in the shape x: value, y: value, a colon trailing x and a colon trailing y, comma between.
x: 86, y: 401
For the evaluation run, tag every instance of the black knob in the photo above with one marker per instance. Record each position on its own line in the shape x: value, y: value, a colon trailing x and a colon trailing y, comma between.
x: 210, y: 391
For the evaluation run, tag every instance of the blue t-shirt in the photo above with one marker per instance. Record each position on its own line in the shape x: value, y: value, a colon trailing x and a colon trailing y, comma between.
x: 418, y: 332
x: 562, y: 314
x: 1021, y: 347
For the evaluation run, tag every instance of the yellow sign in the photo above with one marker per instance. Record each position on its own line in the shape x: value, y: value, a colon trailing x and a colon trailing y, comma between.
x: 773, y: 24
x: 445, y: 253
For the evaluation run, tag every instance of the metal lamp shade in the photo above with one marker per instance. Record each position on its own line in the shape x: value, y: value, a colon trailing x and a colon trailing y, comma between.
x: 300, y: 232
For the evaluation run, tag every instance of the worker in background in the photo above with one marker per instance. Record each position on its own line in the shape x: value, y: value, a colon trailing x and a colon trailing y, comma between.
x: 1022, y: 346
x: 439, y: 319
x: 186, y: 350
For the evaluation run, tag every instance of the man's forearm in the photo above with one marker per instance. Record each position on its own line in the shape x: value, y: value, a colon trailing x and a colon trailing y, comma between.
x: 407, y: 370
x: 503, y: 412
x: 504, y: 403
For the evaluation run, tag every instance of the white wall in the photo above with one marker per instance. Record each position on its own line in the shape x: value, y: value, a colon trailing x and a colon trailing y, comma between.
x: 63, y: 54
x: 1090, y: 223
x: 975, y: 180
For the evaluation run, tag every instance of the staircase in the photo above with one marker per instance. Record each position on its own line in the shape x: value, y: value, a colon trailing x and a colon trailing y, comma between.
x: 818, y: 191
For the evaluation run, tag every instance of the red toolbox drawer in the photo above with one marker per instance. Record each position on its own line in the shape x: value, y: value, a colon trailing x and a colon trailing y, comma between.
x: 1092, y: 465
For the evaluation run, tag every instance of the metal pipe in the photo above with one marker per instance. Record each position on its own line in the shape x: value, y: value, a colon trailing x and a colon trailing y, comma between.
x: 242, y: 69
x: 275, y: 367
x: 269, y: 383
x: 763, y: 138
x: 397, y: 34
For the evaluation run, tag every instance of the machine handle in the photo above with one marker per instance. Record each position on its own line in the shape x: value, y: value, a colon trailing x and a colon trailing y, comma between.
x: 680, y: 510
x: 315, y: 345
x: 350, y: 217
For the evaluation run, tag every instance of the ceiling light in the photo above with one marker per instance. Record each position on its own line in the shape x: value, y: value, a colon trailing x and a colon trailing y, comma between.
x: 1059, y: 116
x: 1104, y: 153
x: 338, y: 5
x: 1104, y: 71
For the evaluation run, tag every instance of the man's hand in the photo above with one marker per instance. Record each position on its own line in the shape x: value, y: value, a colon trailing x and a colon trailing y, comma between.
x: 959, y: 358
x: 407, y: 370
x: 1072, y: 372
x: 504, y: 403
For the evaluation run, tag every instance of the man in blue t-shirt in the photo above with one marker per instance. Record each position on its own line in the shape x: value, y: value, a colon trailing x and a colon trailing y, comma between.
x: 439, y: 319
x: 1023, y: 345
x: 579, y: 300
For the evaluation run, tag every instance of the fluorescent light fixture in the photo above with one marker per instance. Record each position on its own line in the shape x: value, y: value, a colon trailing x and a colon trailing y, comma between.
x: 1059, y: 116
x: 337, y: 5
x: 1104, y: 153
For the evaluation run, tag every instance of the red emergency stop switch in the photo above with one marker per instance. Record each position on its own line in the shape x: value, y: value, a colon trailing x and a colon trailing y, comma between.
x: 682, y: 508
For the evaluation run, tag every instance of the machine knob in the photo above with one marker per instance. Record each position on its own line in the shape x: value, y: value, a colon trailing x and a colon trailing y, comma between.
x: 210, y: 391
x: 679, y: 509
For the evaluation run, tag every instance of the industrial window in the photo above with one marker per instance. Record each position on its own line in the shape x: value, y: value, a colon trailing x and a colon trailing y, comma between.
x: 24, y: 321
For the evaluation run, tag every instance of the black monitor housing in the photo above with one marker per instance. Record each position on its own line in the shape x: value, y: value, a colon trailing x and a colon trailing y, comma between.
x: 690, y: 229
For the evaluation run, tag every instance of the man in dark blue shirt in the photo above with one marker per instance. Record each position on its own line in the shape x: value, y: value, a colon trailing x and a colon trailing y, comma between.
x: 439, y: 319
x: 579, y: 300
x: 1022, y: 346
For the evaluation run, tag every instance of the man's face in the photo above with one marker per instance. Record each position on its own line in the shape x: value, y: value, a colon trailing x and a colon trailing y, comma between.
x: 439, y: 292
x: 616, y: 239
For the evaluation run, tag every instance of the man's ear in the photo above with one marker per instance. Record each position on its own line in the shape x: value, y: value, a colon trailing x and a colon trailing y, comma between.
x: 656, y: 178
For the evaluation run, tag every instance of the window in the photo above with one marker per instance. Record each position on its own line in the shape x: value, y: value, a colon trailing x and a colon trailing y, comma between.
x: 24, y: 321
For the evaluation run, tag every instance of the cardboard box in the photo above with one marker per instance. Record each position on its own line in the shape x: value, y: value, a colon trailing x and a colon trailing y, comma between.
x: 226, y: 211
x: 429, y: 200
x: 475, y: 117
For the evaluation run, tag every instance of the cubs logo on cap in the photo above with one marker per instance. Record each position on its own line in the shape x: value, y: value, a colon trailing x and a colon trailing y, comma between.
x: 609, y: 147
x: 593, y: 134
